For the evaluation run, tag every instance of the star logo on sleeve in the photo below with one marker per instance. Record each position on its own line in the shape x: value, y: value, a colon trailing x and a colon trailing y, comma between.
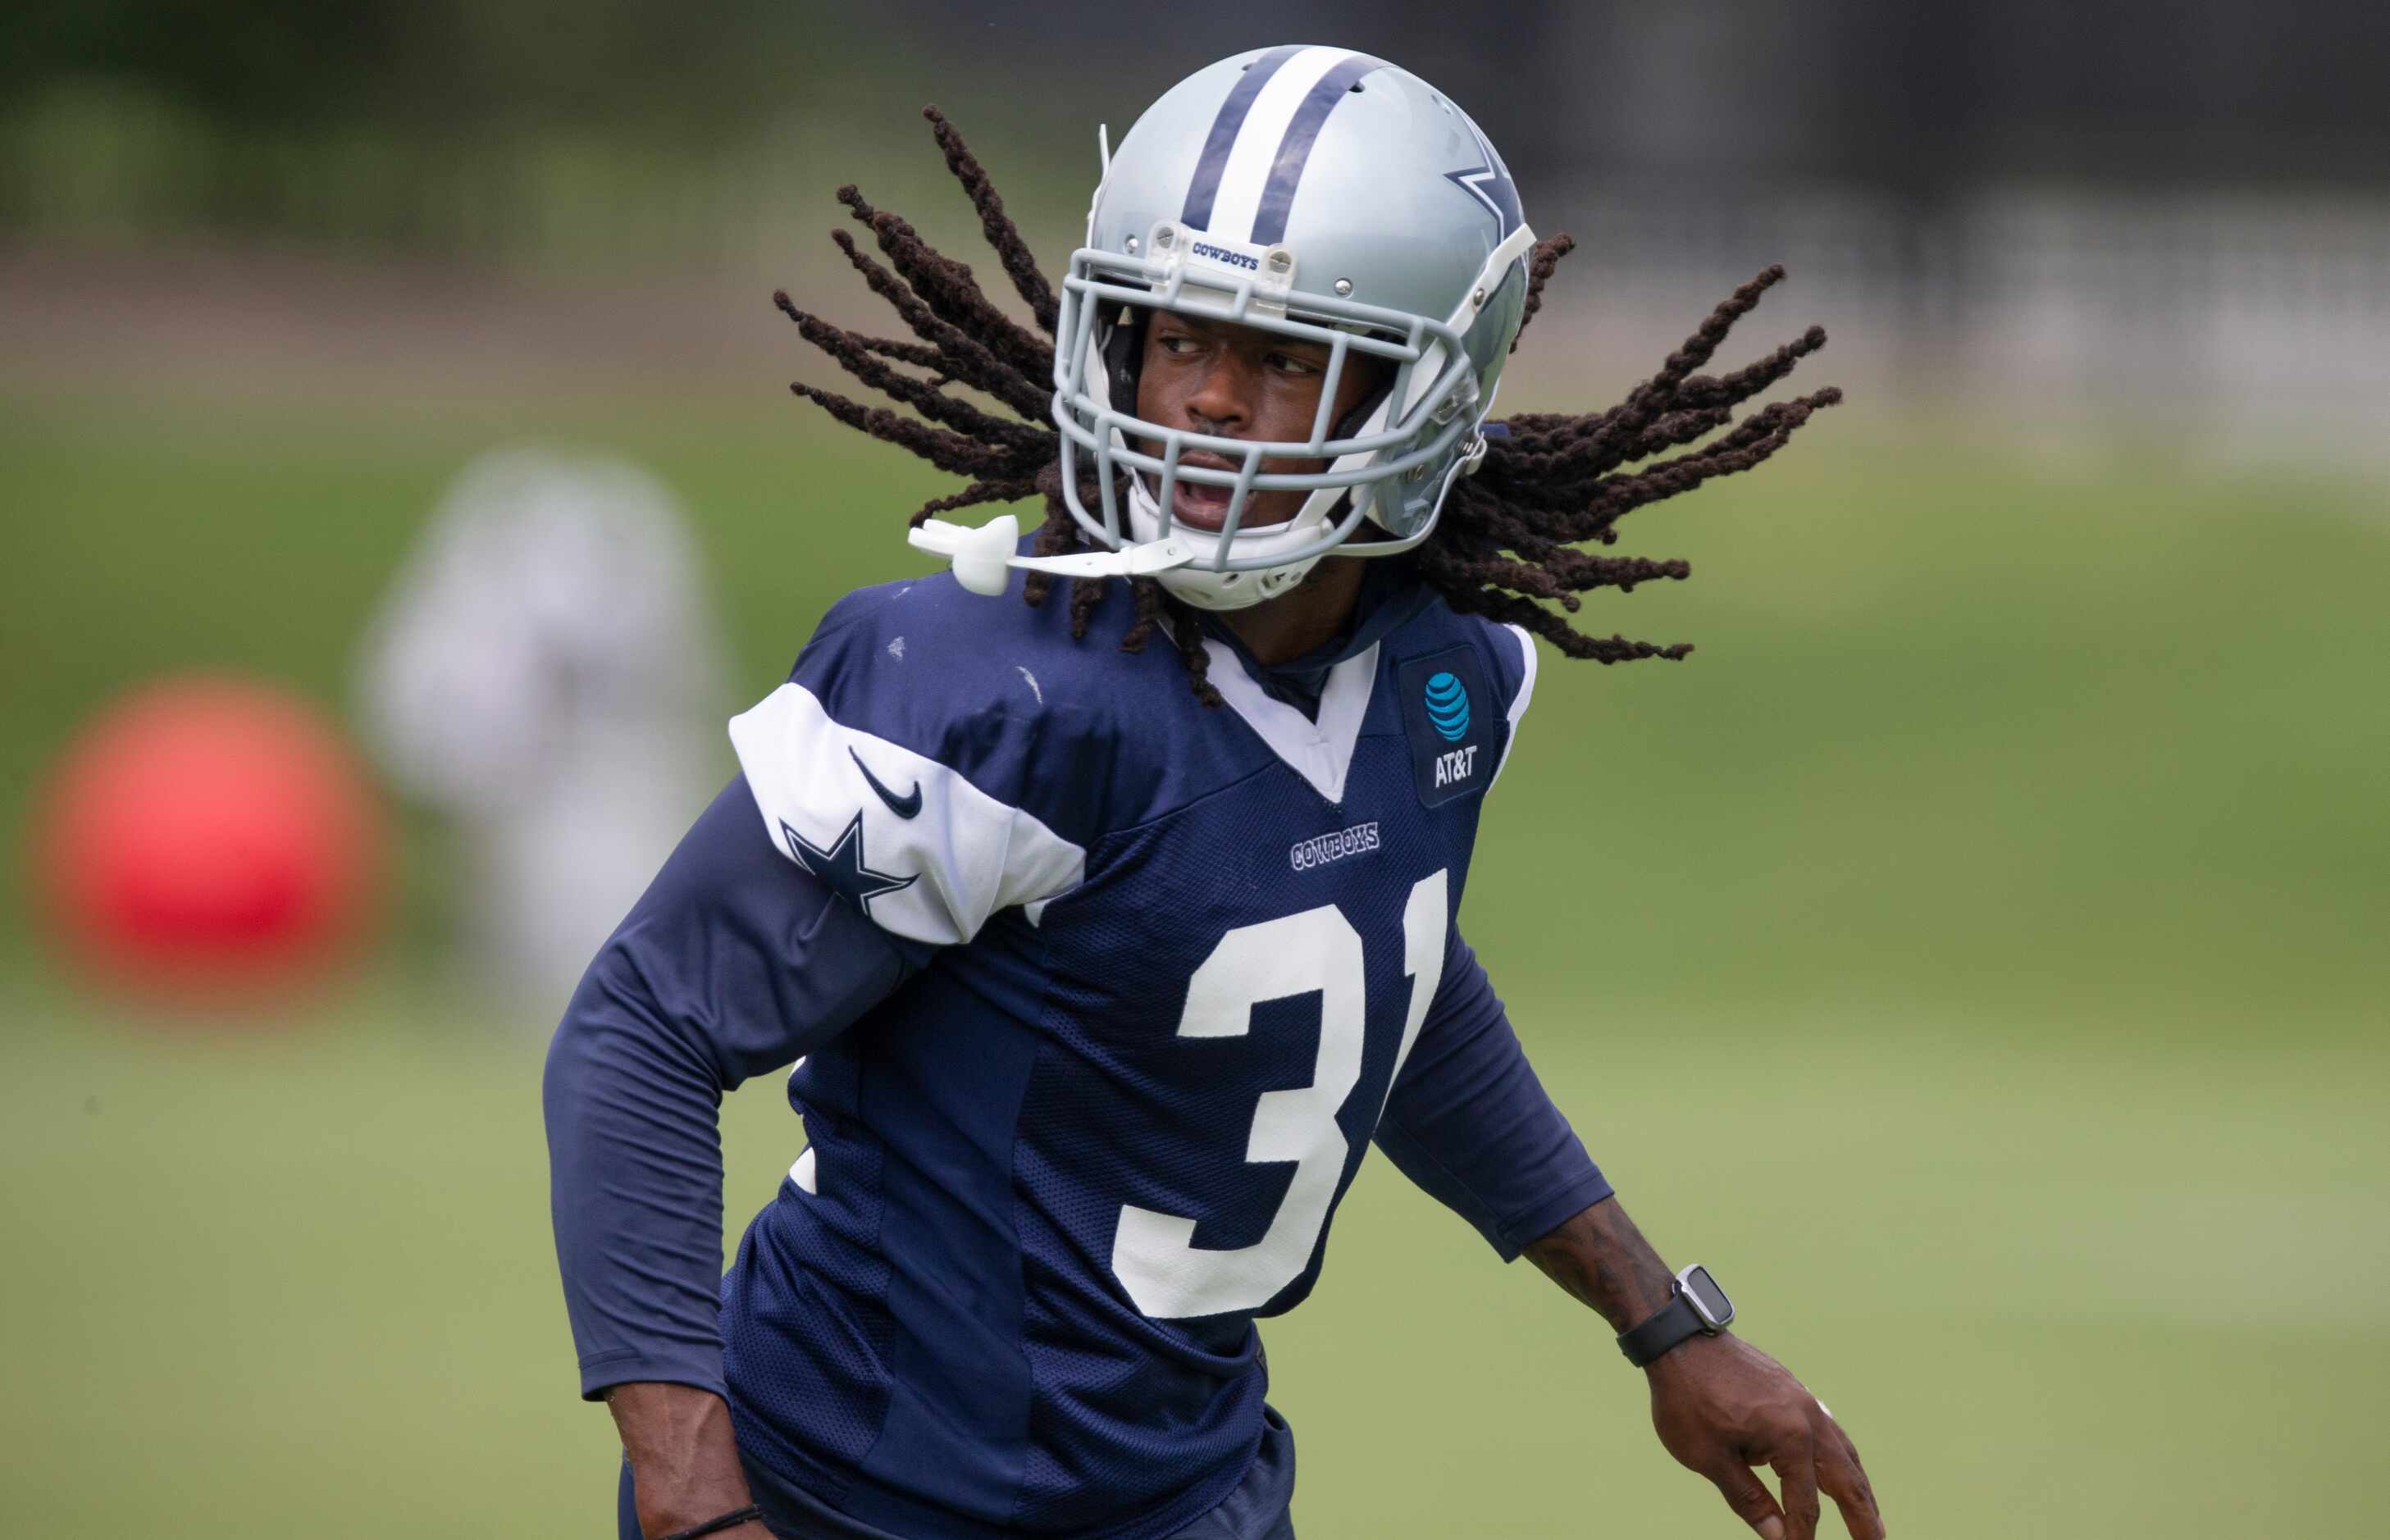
x: 842, y: 866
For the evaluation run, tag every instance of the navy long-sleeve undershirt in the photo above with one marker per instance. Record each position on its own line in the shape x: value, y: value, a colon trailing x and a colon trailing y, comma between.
x: 736, y: 962
x: 1472, y: 1127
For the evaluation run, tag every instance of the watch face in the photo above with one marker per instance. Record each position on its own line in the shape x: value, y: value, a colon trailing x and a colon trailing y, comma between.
x: 1707, y: 1297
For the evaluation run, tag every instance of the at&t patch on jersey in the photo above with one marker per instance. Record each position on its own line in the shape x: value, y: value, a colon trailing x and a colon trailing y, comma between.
x: 1453, y: 720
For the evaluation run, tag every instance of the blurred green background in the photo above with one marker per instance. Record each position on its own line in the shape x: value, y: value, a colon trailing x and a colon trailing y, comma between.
x: 1975, y: 952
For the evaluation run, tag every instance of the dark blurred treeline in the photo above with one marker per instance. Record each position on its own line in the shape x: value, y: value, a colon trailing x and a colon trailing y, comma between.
x: 438, y: 66
x: 441, y: 125
x: 512, y: 123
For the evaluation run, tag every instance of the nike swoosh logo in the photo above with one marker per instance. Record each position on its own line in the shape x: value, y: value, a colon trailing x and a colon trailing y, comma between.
x: 904, y: 806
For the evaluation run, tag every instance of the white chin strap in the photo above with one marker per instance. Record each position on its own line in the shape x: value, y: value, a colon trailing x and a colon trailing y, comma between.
x: 982, y: 556
x: 983, y: 559
x: 1197, y: 584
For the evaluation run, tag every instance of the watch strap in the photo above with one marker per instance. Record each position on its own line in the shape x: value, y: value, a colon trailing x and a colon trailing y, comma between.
x: 1670, y: 1324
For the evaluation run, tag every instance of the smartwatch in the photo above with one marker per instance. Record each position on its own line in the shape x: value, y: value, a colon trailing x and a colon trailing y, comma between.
x: 1696, y: 1307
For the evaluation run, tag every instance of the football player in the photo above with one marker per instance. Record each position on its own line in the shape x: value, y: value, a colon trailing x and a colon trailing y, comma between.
x: 1108, y: 935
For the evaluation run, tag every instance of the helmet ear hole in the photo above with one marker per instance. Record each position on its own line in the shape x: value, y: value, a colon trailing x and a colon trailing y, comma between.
x: 1125, y: 355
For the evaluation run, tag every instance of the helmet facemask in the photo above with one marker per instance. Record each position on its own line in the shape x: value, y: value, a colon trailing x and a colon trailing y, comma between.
x: 1393, y: 467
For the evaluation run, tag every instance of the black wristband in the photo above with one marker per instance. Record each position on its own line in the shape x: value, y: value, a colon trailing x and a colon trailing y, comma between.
x: 1645, y: 1342
x: 731, y: 1520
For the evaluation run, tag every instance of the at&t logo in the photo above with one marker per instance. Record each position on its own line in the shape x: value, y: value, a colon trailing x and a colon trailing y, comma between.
x: 1447, y: 712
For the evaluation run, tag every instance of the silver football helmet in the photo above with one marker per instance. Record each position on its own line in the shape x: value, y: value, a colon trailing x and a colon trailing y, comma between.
x: 1314, y: 192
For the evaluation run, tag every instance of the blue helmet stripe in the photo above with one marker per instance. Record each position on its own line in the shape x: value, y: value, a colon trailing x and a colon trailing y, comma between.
x: 1277, y: 196
x: 1201, y: 191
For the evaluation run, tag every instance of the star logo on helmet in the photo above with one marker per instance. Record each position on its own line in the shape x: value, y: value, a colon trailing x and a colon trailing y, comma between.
x: 842, y: 866
x: 1490, y: 184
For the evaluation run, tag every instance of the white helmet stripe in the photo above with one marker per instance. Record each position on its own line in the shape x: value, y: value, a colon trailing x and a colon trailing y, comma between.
x: 1247, y: 170
x: 1205, y: 187
x: 1301, y: 133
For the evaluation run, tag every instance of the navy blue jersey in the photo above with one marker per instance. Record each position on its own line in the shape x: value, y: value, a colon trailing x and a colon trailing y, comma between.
x: 1125, y: 987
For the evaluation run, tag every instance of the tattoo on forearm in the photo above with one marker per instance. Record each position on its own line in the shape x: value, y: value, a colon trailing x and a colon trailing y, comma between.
x: 1603, y: 1260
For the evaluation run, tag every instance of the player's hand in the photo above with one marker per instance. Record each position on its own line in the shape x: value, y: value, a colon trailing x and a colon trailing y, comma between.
x: 1721, y: 1406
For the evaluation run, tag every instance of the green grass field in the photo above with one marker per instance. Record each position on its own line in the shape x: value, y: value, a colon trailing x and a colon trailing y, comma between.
x: 1975, y: 954
x: 303, y: 1285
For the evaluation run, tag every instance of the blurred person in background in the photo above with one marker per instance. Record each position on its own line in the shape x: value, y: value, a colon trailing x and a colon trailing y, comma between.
x: 546, y: 672
x: 1108, y: 929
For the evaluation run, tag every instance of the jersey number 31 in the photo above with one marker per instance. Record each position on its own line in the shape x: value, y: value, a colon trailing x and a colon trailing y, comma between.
x: 1315, y: 952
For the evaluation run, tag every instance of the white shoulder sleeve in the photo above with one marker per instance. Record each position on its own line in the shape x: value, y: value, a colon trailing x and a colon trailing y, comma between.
x: 920, y: 850
x: 1519, y: 701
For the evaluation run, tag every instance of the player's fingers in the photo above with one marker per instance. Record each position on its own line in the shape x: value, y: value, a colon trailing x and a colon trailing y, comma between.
x: 1748, y: 1496
x: 1797, y: 1469
x: 1840, y: 1473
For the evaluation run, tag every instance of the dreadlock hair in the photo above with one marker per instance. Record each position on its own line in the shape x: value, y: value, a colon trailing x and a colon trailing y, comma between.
x: 1505, y: 546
